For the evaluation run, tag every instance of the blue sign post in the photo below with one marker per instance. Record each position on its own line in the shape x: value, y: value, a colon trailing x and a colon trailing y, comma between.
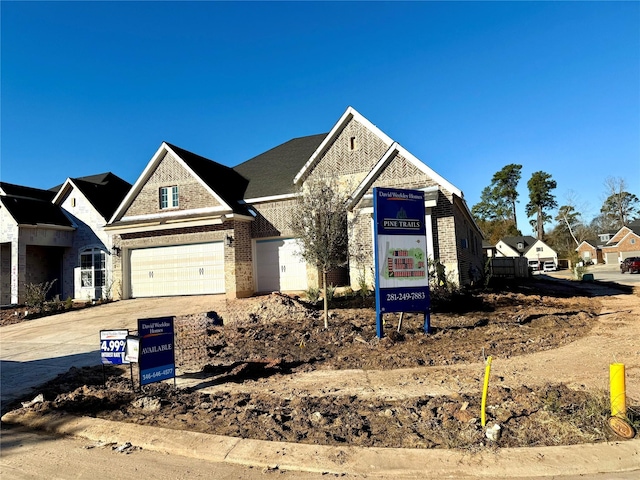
x: 401, y: 270
x: 157, y: 354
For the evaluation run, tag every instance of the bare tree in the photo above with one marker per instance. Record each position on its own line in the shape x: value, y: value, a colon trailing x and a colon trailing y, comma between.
x: 321, y: 228
x: 569, y: 218
x: 620, y: 206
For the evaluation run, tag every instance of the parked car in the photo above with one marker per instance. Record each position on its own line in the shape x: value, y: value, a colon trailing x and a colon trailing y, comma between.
x: 631, y: 265
x: 549, y: 266
x: 534, y: 265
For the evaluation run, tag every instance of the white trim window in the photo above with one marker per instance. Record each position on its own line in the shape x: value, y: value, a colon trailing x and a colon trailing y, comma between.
x: 168, y: 197
x: 92, y: 268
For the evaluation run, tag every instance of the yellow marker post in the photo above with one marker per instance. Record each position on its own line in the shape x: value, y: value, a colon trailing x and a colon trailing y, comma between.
x: 485, y: 388
x: 617, y: 390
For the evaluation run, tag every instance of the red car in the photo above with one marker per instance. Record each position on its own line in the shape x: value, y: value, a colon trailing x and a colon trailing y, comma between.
x: 631, y: 265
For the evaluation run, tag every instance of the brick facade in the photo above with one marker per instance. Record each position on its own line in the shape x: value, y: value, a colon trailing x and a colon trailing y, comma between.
x: 169, y: 172
x: 350, y: 155
x: 351, y: 164
x: 273, y: 219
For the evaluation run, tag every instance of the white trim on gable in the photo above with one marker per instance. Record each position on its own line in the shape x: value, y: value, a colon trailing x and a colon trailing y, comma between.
x: 196, y: 176
x: 426, y: 170
x: 347, y: 116
x: 66, y: 186
x: 374, y: 173
x: 272, y: 198
x: 177, y: 213
x: 146, y: 174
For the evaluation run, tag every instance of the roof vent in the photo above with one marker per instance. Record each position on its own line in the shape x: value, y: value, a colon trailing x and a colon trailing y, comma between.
x: 521, y: 246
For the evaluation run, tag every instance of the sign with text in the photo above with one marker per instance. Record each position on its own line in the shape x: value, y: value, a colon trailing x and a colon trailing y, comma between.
x: 156, y: 350
x: 112, y: 346
x: 401, y: 269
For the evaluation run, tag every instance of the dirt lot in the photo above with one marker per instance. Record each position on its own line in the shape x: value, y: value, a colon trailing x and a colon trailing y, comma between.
x: 277, y: 374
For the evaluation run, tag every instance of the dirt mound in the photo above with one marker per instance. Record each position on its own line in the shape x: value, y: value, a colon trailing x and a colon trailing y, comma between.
x: 548, y: 415
x: 259, y: 344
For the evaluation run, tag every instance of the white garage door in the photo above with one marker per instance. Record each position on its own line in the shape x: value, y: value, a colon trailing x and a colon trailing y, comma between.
x: 177, y: 270
x: 611, y: 258
x: 279, y: 268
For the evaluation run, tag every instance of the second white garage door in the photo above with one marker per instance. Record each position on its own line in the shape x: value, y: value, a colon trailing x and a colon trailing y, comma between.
x: 178, y: 270
x: 279, y: 267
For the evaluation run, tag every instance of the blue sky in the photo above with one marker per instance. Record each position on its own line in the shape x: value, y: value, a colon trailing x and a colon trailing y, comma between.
x: 467, y: 87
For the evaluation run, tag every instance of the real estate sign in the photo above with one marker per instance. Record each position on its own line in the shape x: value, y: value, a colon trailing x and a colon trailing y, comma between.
x: 156, y: 350
x: 112, y: 346
x: 401, y: 270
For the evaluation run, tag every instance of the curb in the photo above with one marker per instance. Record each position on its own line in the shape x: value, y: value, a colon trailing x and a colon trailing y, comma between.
x: 588, y: 459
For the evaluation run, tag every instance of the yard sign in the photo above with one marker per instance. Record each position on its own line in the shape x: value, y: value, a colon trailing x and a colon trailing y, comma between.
x: 157, y: 355
x: 401, y: 274
x: 112, y: 343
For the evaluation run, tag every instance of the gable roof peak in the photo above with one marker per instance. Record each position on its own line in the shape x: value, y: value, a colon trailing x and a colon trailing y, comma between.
x: 349, y: 114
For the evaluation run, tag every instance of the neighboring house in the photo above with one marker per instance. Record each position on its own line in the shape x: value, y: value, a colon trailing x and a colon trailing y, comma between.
x: 625, y: 243
x: 192, y: 226
x: 58, y: 235
x: 34, y: 234
x: 90, y: 202
x: 590, y: 251
x: 532, y: 249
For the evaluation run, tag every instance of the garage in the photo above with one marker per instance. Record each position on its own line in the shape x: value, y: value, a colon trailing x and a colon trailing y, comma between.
x: 196, y: 269
x: 611, y: 258
x: 279, y: 267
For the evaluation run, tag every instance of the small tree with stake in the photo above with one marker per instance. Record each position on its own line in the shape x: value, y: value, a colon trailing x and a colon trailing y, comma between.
x: 320, y: 224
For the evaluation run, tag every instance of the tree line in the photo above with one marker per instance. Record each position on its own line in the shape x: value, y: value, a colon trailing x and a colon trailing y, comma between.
x: 495, y: 213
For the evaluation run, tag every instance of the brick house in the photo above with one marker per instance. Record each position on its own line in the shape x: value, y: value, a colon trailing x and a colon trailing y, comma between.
x: 590, y: 251
x: 623, y: 244
x: 58, y: 234
x: 192, y: 226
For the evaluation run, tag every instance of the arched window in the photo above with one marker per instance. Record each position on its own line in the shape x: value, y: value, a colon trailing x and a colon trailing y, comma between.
x: 92, y: 267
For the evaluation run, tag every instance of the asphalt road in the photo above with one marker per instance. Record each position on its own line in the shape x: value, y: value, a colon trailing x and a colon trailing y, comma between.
x: 602, y: 273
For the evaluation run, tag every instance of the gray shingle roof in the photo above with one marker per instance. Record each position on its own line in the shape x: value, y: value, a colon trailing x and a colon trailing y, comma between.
x: 272, y: 172
x: 526, y: 240
x: 27, y: 192
x: 225, y: 181
x: 105, y: 191
x: 33, y: 211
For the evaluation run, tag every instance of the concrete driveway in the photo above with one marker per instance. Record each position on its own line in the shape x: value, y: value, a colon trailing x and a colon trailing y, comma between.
x: 35, y: 351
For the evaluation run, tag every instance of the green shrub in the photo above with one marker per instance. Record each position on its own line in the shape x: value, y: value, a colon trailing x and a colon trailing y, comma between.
x: 331, y: 291
x: 36, y: 295
x: 579, y: 271
x: 312, y: 294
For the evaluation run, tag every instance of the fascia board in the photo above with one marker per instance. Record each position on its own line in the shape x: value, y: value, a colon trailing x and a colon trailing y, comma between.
x: 629, y: 233
x: 154, y: 226
x: 196, y: 176
x: 48, y: 226
x: 237, y: 216
x: 428, y: 171
x: 373, y: 174
x: 66, y: 186
x: 135, y: 189
x: 348, y: 115
x: 172, y: 214
x: 272, y: 198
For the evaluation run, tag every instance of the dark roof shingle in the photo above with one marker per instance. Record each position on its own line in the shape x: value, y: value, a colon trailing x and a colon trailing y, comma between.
x: 32, y: 211
x: 225, y: 181
x: 272, y: 172
x: 105, y: 191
